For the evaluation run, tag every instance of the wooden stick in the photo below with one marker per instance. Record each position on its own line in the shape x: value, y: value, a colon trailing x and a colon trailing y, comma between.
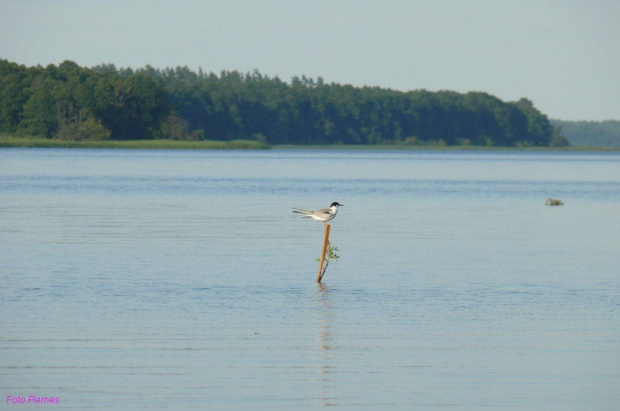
x: 325, y: 241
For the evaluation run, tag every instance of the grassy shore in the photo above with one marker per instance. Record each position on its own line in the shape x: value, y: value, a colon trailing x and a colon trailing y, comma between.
x: 9, y: 141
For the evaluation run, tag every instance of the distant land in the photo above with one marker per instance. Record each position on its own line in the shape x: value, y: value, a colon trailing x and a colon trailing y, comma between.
x: 72, y: 103
x: 590, y: 133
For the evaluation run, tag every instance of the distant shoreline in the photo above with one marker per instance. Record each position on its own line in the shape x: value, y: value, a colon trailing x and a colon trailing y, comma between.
x: 21, y: 142
x: 18, y: 142
x: 404, y: 147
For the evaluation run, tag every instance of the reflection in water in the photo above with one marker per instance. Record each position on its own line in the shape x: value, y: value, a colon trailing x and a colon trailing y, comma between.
x: 325, y: 343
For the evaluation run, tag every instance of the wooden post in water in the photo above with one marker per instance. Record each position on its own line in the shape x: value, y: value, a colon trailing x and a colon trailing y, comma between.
x: 325, y: 242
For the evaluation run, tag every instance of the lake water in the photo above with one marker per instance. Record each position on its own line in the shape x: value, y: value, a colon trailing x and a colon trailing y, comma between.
x: 134, y: 279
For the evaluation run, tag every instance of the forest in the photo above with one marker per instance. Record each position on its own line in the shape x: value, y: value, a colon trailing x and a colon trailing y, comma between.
x: 69, y: 102
x: 590, y: 133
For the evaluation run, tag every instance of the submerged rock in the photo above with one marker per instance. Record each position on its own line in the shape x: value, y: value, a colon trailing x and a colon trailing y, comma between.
x: 553, y: 202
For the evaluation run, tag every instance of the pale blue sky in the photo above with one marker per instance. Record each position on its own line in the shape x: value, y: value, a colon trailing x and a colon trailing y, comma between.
x: 564, y: 55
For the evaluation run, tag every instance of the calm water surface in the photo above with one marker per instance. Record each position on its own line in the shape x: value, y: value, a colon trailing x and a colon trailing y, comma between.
x: 166, y: 279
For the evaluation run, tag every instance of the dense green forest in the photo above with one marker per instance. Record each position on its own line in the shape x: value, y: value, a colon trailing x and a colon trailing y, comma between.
x: 590, y: 133
x: 69, y: 102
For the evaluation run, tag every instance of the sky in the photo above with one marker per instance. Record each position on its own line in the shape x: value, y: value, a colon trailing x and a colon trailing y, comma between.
x: 564, y: 55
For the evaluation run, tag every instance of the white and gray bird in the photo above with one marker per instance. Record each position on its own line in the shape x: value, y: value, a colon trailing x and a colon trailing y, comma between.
x: 323, y: 215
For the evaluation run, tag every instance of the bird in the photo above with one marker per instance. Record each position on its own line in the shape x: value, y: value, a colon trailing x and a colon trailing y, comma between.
x: 324, y: 214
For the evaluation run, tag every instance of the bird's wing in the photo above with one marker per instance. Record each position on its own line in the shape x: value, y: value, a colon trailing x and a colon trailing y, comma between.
x: 325, y: 212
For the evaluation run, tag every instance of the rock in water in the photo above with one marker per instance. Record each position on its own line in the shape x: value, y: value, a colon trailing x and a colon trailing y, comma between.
x: 553, y: 202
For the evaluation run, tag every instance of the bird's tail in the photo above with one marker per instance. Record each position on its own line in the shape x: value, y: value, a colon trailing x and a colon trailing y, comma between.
x: 301, y: 211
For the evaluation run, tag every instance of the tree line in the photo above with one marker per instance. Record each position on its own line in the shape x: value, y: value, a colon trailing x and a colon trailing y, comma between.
x: 70, y: 102
x: 590, y: 133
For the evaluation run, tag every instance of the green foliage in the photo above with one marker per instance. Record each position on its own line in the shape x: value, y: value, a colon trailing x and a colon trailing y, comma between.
x: 39, y: 116
x: 557, y: 138
x: 81, y: 129
x: 12, y: 141
x: 175, y: 128
x: 590, y: 133
x: 71, y: 102
x: 330, y: 255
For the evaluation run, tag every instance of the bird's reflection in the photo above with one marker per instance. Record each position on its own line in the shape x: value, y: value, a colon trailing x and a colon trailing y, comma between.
x: 325, y: 314
x: 325, y: 349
